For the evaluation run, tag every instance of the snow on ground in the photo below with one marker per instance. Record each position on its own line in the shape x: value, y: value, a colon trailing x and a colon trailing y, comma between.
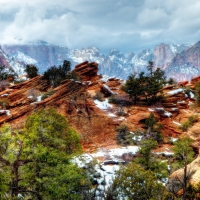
x: 103, y: 105
x: 39, y: 98
x: 177, y: 123
x: 174, y: 92
x: 4, y: 95
x: 7, y: 112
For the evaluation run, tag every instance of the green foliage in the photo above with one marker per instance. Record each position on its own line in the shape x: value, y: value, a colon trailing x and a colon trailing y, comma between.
x: 184, y: 154
x: 146, y: 87
x: 34, y: 162
x: 149, y: 161
x: 31, y: 70
x: 183, y: 151
x: 133, y: 182
x: 6, y: 74
x: 153, y: 129
x: 124, y: 137
x: 191, y: 120
x: 47, y: 94
x: 134, y: 87
x: 4, y: 103
x: 51, y: 128
x: 55, y: 75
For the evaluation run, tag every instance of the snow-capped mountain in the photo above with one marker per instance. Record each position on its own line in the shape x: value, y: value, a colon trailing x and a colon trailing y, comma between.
x: 115, y: 63
x: 13, y: 63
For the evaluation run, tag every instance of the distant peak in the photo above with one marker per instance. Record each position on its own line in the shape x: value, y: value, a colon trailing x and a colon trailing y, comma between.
x: 38, y: 42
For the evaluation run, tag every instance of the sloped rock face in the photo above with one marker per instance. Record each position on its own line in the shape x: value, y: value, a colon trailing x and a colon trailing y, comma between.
x: 45, y: 54
x: 162, y: 55
x: 185, y: 65
x: 70, y: 99
x: 176, y: 179
x: 87, y: 71
x: 4, y: 59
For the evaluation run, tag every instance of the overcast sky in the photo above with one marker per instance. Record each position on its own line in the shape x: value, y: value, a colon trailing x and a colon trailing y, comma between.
x: 128, y: 25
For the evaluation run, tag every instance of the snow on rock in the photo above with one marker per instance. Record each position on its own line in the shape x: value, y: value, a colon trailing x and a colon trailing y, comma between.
x: 174, y: 92
x: 176, y: 123
x: 4, y: 95
x: 167, y: 114
x: 6, y: 111
x: 112, y: 115
x: 39, y: 98
x: 173, y: 139
x: 103, y: 105
x: 192, y: 95
x: 108, y: 89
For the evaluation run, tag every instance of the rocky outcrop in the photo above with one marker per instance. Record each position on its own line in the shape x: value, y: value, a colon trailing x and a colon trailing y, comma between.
x: 175, y: 182
x: 87, y: 71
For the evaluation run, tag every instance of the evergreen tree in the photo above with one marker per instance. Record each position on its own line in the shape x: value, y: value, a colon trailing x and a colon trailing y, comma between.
x: 35, y: 162
x: 55, y: 75
x: 184, y: 154
x: 133, y: 182
x: 31, y: 70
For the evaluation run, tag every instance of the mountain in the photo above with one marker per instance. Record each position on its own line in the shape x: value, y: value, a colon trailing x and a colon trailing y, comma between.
x: 185, y: 64
x: 10, y: 62
x: 41, y: 53
x: 115, y: 63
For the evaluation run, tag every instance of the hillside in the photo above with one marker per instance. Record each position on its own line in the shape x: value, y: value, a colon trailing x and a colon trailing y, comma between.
x: 95, y: 121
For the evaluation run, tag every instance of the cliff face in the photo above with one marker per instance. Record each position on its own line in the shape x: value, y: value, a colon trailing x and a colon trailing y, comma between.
x: 115, y: 63
x: 44, y: 54
x: 4, y: 60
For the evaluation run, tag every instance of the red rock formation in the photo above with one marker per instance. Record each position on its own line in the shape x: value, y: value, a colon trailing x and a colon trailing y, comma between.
x: 87, y: 71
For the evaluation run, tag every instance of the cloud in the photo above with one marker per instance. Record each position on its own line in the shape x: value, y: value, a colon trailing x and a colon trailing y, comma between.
x: 129, y: 25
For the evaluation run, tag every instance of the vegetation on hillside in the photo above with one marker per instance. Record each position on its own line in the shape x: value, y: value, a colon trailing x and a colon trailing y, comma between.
x: 55, y: 75
x: 146, y: 87
x: 35, y: 161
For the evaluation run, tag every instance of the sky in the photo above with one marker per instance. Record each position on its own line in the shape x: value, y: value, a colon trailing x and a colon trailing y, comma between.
x: 127, y: 25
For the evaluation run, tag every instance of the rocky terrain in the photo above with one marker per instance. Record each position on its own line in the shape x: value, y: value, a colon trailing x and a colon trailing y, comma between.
x: 96, y: 125
x: 97, y: 120
x: 115, y: 63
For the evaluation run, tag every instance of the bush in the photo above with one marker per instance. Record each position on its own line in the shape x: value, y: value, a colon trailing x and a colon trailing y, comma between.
x: 4, y: 103
x: 99, y: 96
x: 122, y: 100
x: 31, y: 70
x: 55, y: 75
x: 124, y: 137
x: 47, y: 94
x: 191, y: 120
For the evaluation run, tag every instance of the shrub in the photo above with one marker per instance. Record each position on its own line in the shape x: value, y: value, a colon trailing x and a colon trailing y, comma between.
x: 31, y: 70
x: 99, y: 96
x: 191, y: 120
x: 47, y: 94
x: 4, y: 103
x: 122, y: 100
x: 124, y: 137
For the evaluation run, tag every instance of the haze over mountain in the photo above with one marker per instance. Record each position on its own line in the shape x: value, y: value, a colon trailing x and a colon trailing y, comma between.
x: 175, y: 59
